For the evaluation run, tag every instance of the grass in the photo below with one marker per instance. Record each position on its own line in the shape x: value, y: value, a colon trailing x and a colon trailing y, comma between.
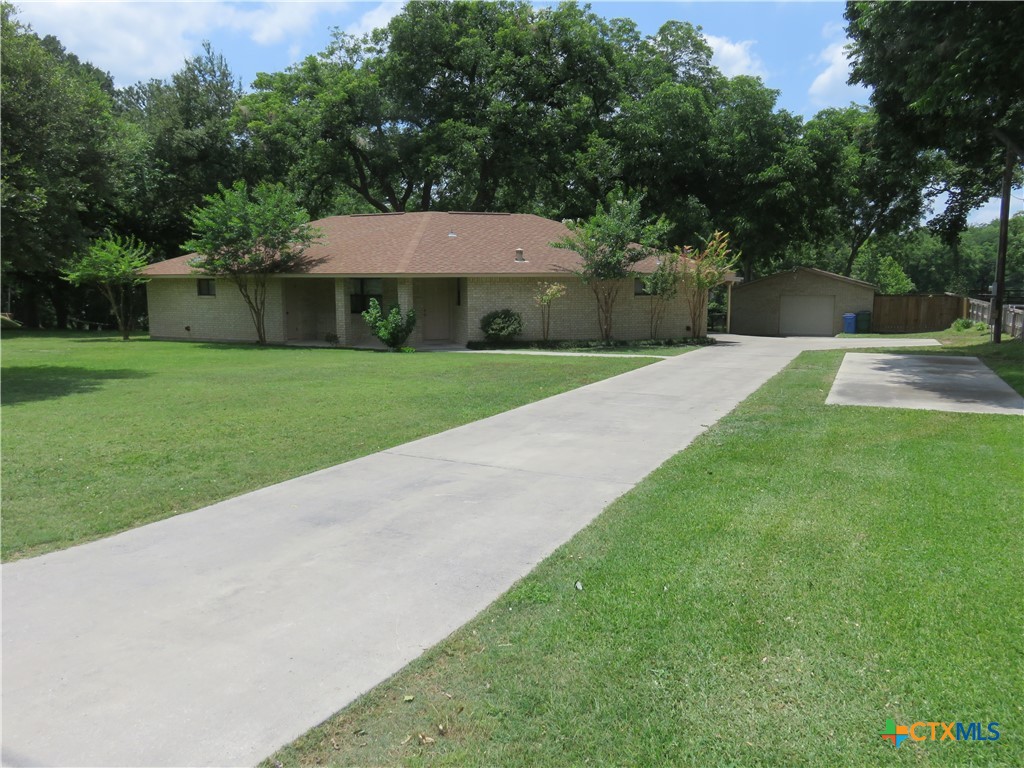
x: 100, y: 435
x: 768, y: 597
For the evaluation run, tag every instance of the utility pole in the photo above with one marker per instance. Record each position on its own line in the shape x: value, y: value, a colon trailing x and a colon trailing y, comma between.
x: 996, y: 313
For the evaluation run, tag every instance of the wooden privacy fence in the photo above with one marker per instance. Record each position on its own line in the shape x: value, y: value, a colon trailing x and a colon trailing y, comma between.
x: 916, y: 314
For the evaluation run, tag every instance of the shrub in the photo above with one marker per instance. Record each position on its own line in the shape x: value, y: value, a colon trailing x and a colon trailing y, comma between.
x: 393, y: 330
x: 502, y: 325
x: 962, y: 324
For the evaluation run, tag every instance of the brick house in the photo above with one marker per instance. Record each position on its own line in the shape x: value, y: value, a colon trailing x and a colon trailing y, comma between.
x: 452, y: 268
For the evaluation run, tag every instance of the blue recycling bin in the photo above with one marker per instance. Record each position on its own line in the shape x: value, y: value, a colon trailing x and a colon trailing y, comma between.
x: 849, y: 323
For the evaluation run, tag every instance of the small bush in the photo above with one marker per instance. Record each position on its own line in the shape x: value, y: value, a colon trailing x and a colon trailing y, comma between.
x: 501, y: 326
x: 393, y: 330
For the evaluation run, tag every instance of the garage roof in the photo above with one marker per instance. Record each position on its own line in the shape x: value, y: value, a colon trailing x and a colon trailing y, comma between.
x: 813, y: 271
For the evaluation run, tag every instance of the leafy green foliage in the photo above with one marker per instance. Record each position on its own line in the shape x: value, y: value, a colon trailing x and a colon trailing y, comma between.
x: 246, y: 238
x: 112, y: 263
x: 892, y: 280
x: 702, y: 269
x: 187, y: 145
x: 966, y: 268
x: 610, y: 243
x: 884, y: 271
x: 392, y: 329
x: 663, y: 286
x: 501, y: 325
x: 860, y: 189
x: 945, y: 77
x: 61, y: 160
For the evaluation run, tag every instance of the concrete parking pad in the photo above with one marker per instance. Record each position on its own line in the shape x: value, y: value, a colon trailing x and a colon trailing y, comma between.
x: 926, y: 382
x: 217, y: 636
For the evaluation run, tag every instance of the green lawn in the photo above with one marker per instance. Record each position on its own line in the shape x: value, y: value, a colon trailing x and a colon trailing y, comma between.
x: 100, y: 435
x: 768, y: 597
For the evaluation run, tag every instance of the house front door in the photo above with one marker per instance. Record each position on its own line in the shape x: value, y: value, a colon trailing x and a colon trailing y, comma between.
x: 437, y: 302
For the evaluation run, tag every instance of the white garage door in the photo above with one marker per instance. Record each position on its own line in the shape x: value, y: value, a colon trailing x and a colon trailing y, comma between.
x: 806, y: 315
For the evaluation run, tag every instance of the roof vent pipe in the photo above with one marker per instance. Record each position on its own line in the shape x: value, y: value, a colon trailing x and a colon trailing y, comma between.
x: 519, y: 255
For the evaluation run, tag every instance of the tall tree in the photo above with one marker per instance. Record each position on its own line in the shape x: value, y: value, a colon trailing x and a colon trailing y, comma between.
x: 246, y: 238
x: 859, y: 188
x: 754, y: 184
x: 947, y: 76
x: 184, y: 127
x: 59, y: 151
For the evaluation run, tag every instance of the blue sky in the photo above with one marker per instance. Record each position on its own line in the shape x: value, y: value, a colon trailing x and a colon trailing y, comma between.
x: 795, y: 47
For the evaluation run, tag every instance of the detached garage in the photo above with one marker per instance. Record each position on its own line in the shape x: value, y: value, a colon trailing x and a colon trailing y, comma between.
x: 800, y: 302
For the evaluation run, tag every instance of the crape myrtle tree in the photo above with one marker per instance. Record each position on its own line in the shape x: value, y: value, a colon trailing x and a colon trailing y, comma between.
x: 703, y: 269
x: 610, y: 243
x: 112, y: 264
x: 246, y: 238
x: 662, y: 285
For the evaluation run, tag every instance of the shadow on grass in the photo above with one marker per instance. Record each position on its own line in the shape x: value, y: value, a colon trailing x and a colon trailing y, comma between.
x: 31, y: 383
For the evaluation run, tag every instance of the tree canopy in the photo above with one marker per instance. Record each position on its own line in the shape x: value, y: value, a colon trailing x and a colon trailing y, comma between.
x: 945, y: 76
x: 507, y: 106
x: 245, y: 237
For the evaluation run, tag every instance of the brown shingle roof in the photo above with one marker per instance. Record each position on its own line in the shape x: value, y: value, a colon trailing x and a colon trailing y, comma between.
x: 421, y: 244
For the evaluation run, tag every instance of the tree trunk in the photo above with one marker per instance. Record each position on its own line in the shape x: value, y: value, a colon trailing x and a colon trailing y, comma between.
x: 255, y: 300
x: 605, y: 295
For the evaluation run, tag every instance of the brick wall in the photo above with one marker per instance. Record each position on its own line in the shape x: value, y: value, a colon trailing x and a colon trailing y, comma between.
x: 755, y: 306
x: 574, y: 316
x: 175, y: 304
x: 176, y: 311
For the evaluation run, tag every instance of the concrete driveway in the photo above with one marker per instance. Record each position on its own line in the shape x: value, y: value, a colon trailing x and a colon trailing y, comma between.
x: 215, y: 637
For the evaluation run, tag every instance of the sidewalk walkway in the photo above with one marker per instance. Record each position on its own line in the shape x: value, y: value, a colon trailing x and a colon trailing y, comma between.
x: 215, y: 637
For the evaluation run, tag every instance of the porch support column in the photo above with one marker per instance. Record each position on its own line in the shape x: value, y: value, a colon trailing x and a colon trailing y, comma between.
x: 728, y: 307
x: 342, y: 311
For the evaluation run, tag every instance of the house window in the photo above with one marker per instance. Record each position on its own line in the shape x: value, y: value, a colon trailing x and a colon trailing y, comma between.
x: 206, y: 286
x: 639, y: 289
x: 364, y: 289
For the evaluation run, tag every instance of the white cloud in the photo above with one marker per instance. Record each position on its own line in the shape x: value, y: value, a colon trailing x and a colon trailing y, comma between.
x: 736, y: 58
x: 274, y: 22
x: 132, y: 41
x: 142, y: 40
x: 830, y: 88
x: 376, y: 18
x: 833, y: 30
